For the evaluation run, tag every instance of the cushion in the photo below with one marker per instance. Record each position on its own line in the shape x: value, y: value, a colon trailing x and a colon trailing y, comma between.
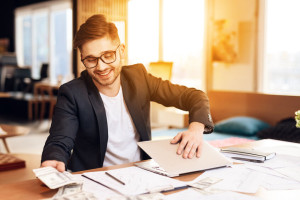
x: 241, y: 126
x: 285, y: 130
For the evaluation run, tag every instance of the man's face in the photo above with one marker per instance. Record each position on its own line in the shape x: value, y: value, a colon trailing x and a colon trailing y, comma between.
x: 103, y: 75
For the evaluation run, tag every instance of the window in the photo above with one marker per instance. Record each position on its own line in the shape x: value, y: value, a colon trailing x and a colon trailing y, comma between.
x: 281, y: 56
x: 182, y: 37
x: 44, y: 35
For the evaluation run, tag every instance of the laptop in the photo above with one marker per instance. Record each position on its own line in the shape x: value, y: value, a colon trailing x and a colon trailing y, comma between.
x: 165, y: 160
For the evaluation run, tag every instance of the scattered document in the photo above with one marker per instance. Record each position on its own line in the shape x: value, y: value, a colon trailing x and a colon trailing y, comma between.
x: 137, y: 181
x: 280, y: 161
x: 292, y: 150
x: 237, y: 178
x: 192, y: 194
x: 99, y: 191
x: 291, y: 172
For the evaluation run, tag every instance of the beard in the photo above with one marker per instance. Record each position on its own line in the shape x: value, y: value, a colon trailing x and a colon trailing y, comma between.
x: 109, y: 81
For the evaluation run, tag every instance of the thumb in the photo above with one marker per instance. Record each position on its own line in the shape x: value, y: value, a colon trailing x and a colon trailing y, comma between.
x: 60, y: 166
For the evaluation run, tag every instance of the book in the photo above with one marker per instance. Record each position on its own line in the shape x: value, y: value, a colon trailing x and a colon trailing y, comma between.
x: 8, y: 162
x: 244, y: 153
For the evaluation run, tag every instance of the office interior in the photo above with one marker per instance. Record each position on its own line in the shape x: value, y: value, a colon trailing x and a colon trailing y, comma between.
x: 239, y: 50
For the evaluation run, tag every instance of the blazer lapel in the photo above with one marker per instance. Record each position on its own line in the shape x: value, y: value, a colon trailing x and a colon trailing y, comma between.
x: 134, y: 107
x: 99, y: 110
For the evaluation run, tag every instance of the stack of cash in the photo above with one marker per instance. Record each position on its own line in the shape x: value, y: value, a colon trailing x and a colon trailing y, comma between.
x: 69, y: 187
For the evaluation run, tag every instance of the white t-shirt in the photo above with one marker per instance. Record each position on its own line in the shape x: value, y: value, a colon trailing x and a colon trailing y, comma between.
x: 122, y: 135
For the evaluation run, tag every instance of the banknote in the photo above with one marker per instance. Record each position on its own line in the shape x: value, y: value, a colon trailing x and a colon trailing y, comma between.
x: 53, y: 178
x: 68, y: 190
x: 151, y: 196
x: 205, y: 183
x: 76, y: 196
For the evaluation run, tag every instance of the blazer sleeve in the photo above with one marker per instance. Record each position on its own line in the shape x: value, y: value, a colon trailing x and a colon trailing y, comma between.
x: 63, y: 129
x: 189, y: 99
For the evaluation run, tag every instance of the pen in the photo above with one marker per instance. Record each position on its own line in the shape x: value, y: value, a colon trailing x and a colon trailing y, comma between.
x: 115, y: 178
x: 247, y: 159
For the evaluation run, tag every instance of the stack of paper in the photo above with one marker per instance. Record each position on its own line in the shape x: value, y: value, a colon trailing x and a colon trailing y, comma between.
x: 247, y: 154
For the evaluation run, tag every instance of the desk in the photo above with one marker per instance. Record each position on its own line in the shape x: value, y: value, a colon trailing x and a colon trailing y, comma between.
x: 11, y: 131
x: 32, y: 161
x: 34, y: 189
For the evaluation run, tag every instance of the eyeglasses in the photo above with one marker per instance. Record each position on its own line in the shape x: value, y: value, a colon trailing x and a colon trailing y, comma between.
x: 107, y: 57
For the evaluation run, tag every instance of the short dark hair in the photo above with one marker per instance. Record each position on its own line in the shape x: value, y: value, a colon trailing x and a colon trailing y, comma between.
x: 95, y: 27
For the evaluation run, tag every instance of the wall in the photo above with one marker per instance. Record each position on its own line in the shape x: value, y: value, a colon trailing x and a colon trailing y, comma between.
x: 239, y: 73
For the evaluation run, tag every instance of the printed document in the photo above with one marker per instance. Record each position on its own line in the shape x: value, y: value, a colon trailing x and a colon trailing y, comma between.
x: 137, y: 181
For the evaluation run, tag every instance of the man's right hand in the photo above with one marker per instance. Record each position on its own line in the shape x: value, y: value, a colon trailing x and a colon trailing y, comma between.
x: 60, y: 166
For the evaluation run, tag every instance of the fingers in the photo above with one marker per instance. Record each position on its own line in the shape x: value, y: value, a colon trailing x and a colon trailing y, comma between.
x: 60, y: 166
x: 189, y: 146
x: 177, y: 138
x: 182, y: 145
x: 199, y: 151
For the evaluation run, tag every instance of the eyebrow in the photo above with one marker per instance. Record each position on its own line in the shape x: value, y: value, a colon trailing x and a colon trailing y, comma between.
x: 103, y: 52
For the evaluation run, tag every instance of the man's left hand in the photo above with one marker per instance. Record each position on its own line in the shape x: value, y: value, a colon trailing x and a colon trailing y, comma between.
x: 190, y: 140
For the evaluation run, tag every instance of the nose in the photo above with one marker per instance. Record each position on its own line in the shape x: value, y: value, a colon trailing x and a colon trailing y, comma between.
x: 101, y: 65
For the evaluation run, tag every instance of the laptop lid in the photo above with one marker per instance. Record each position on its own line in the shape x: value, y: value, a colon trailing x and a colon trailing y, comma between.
x: 164, y: 154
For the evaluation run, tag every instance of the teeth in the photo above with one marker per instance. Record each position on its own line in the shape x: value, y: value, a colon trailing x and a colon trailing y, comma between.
x: 103, y: 74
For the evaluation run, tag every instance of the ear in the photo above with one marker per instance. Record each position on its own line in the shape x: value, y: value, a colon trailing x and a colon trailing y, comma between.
x: 122, y: 51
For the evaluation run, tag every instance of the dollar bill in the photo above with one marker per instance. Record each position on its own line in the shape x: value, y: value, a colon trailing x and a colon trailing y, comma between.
x: 77, y: 196
x: 68, y: 190
x: 151, y: 196
x: 205, y: 183
x: 53, y: 178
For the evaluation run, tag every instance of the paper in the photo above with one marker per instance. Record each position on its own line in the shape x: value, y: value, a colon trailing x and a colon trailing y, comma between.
x: 137, y: 181
x: 237, y: 178
x: 291, y: 172
x: 99, y: 191
x: 280, y: 161
x: 165, y: 155
x: 292, y: 150
x: 192, y: 194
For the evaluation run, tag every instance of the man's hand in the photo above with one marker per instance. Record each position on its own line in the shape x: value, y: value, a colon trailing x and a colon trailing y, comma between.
x: 190, y: 140
x: 60, y: 166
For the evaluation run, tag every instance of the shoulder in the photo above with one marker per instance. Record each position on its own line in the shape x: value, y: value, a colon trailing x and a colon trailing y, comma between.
x: 76, y: 85
x: 134, y: 69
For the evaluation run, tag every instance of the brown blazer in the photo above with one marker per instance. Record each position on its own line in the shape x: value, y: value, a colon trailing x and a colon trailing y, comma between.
x: 79, y: 121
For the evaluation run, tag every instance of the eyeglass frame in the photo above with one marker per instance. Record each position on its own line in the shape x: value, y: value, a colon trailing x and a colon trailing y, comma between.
x: 97, y: 58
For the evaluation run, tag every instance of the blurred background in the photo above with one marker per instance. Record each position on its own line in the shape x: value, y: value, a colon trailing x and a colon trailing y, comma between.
x: 228, y: 45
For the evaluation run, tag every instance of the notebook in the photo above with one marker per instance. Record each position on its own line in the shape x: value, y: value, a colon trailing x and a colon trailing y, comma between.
x: 246, y: 153
x: 167, y: 162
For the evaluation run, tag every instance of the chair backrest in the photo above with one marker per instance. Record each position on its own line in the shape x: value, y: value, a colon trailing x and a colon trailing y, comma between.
x: 161, y: 69
x: 22, y: 73
x: 20, y: 76
x: 44, y: 71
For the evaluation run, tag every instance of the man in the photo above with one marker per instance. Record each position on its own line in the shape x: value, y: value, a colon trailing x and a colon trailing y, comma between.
x: 100, y: 116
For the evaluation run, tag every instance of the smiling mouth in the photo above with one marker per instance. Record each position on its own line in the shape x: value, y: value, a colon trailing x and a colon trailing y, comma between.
x: 104, y: 73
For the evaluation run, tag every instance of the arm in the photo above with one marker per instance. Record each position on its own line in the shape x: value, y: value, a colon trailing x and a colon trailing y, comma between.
x: 189, y: 99
x: 60, y: 142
